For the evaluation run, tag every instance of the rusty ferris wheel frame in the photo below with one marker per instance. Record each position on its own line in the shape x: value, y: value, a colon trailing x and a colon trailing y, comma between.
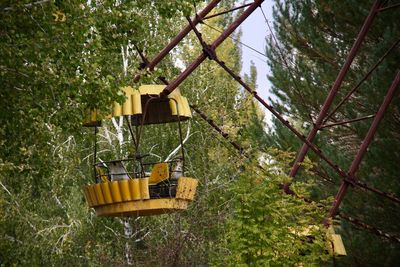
x: 348, y: 178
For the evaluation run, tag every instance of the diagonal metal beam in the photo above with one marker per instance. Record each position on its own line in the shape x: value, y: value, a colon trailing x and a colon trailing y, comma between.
x: 282, y: 119
x: 218, y: 129
x: 361, y: 185
x: 346, y: 177
x: 366, y: 76
x: 347, y: 122
x: 165, y: 51
x: 211, y: 122
x: 389, y: 7
x: 192, y: 24
x: 214, y: 125
x: 365, y: 186
x: 227, y: 11
x: 363, y: 226
x: 238, y: 147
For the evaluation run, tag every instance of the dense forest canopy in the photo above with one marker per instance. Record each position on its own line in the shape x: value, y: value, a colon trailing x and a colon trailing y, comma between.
x: 59, y: 58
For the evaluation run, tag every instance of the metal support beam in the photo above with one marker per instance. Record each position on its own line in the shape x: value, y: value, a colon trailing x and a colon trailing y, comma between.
x: 303, y: 138
x: 219, y: 130
x: 225, y: 34
x: 386, y: 195
x: 389, y: 7
x: 363, y: 149
x: 347, y: 122
x: 361, y: 185
x: 366, y: 76
x: 338, y: 82
x: 165, y: 51
x: 227, y: 11
x: 223, y: 134
x: 363, y: 226
x: 179, y: 37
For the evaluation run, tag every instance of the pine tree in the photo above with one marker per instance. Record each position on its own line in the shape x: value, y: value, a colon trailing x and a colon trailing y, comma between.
x: 314, y: 38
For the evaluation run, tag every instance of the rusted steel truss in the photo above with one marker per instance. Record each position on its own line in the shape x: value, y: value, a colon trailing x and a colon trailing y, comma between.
x: 346, y: 176
x: 165, y: 51
x: 335, y: 87
x: 209, y: 52
x: 363, y: 148
x: 277, y: 115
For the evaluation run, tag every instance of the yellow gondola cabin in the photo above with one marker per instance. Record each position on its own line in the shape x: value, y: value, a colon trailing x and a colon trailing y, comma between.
x: 122, y: 187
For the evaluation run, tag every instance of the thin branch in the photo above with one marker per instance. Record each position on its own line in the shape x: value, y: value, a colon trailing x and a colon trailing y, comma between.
x: 29, y: 5
x: 179, y: 146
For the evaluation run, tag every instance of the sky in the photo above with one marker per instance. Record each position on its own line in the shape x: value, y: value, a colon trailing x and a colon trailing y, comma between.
x: 254, y: 32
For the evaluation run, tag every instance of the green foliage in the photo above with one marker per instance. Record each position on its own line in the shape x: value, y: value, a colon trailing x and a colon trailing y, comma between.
x: 269, y: 227
x: 50, y: 72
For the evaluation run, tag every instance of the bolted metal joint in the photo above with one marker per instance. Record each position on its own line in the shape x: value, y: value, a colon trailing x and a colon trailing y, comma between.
x: 163, y: 95
x: 350, y: 182
x: 199, y: 19
x: 209, y: 52
x: 142, y: 66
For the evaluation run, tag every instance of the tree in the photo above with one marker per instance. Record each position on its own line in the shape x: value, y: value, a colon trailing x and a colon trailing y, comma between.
x: 57, y: 59
x: 269, y: 227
